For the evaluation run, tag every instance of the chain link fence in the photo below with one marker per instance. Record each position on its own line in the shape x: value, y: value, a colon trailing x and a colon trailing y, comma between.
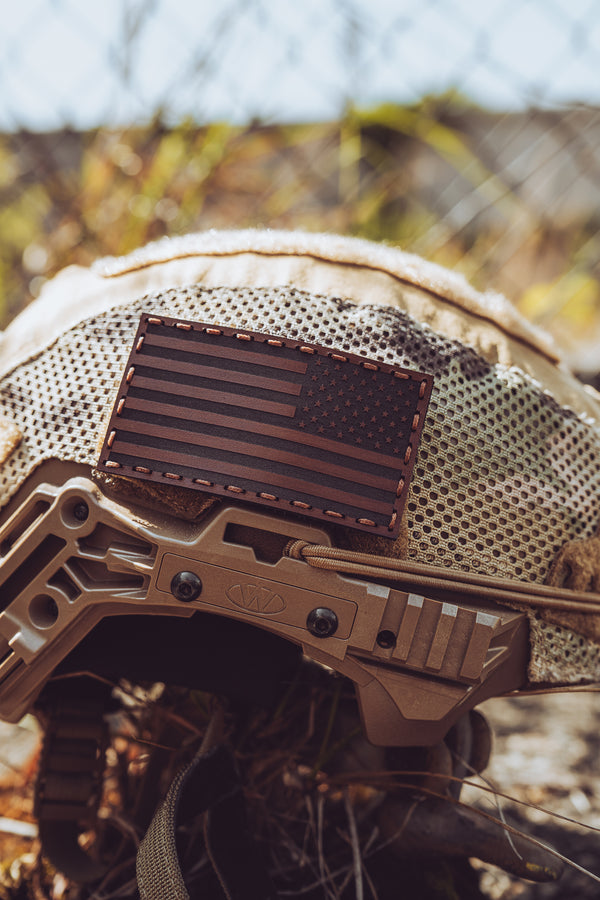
x: 468, y: 133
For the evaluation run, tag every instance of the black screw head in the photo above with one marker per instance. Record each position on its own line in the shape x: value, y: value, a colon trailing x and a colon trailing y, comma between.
x: 81, y: 511
x: 186, y: 586
x: 386, y: 639
x: 322, y: 622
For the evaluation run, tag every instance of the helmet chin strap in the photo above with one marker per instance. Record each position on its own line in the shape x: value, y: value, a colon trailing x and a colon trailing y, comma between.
x: 70, y: 774
x: 209, y: 784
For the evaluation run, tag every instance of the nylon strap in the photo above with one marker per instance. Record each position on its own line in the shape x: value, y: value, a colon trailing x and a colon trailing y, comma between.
x: 209, y: 784
x: 69, y: 783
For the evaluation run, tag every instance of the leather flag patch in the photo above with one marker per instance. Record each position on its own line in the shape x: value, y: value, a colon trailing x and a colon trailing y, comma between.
x: 268, y: 420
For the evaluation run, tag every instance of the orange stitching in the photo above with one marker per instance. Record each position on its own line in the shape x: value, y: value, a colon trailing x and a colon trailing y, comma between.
x: 139, y: 344
x: 273, y: 343
x: 422, y: 390
x: 407, y: 454
x: 307, y: 350
x: 111, y: 438
x: 371, y: 366
x: 401, y: 375
x: 338, y: 357
x: 153, y: 320
x: 415, y: 422
x: 213, y: 331
x: 243, y: 337
x: 184, y: 326
x: 120, y: 406
x: 130, y: 375
x: 263, y: 495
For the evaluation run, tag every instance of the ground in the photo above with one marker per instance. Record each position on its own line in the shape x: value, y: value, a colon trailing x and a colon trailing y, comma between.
x: 545, y: 754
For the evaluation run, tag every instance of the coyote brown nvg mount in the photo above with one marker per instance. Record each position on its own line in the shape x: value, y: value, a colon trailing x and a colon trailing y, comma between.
x: 71, y: 555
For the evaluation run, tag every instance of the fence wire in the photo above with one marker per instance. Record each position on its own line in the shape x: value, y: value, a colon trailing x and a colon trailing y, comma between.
x: 469, y: 133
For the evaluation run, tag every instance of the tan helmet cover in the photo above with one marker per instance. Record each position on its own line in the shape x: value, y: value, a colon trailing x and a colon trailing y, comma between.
x: 508, y: 469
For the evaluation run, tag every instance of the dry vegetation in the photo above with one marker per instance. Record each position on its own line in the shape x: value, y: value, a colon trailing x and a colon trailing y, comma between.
x: 316, y: 794
x: 423, y: 177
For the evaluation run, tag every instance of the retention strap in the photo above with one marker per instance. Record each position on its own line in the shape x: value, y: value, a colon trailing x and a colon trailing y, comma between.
x: 210, y: 784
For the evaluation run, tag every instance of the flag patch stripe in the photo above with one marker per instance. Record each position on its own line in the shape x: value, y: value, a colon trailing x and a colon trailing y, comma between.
x: 277, y: 432
x: 170, y: 436
x: 188, y: 344
x: 165, y: 366
x: 174, y: 459
x: 213, y: 396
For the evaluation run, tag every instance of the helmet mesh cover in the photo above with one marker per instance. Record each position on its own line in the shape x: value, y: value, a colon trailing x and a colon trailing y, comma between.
x: 504, y: 475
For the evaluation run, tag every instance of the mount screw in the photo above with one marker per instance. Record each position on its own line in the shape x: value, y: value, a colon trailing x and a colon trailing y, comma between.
x: 81, y: 511
x: 322, y: 622
x: 186, y: 586
x: 386, y: 639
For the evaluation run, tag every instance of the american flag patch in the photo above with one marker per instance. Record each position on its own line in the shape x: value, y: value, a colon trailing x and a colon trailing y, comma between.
x: 268, y: 420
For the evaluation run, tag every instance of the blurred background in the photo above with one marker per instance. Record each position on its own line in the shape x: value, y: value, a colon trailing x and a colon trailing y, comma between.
x: 465, y: 132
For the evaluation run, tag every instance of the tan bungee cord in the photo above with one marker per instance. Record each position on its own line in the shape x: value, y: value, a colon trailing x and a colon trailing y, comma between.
x: 317, y: 438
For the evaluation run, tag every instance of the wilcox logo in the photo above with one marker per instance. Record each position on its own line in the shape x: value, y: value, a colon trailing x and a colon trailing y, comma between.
x: 255, y: 598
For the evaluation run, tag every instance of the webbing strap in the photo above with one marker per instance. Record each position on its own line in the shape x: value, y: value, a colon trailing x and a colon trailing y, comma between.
x: 69, y: 783
x: 209, y: 784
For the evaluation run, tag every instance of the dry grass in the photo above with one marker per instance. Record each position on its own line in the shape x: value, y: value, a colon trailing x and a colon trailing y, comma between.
x: 421, y: 177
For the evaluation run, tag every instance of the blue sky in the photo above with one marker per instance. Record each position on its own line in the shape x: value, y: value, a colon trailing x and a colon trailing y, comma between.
x: 65, y: 62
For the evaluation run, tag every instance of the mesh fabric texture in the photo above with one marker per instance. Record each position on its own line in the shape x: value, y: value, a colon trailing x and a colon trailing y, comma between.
x: 504, y: 477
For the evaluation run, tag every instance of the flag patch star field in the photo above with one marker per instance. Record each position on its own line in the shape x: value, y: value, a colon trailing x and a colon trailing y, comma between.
x: 268, y: 420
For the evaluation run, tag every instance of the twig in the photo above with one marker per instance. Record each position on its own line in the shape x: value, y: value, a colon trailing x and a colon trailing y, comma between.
x: 18, y: 827
x: 507, y: 828
x: 320, y: 856
x: 383, y: 781
x: 372, y: 887
x: 496, y: 801
x: 328, y: 729
x: 354, y: 843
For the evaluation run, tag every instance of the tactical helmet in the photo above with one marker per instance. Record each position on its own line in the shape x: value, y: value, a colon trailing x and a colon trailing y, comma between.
x: 264, y: 440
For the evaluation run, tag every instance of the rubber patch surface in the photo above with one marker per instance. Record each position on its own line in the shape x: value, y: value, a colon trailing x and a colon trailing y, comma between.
x: 329, y: 435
